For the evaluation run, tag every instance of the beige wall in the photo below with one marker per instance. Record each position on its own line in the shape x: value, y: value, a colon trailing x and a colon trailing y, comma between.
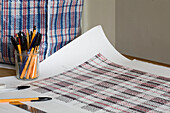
x: 138, y: 28
x: 100, y: 12
x: 143, y: 29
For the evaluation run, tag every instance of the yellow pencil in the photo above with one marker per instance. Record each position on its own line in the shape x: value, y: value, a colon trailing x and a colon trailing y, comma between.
x: 36, y: 99
x: 28, y: 43
x: 19, y: 48
x: 33, y: 35
x: 32, y: 64
x: 30, y: 67
x: 34, y: 69
x: 18, y: 99
x: 26, y: 65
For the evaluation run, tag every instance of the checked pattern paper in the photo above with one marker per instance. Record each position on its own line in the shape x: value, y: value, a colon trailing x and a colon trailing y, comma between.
x: 101, y: 86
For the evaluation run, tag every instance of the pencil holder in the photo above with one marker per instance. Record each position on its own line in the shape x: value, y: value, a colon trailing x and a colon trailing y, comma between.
x: 27, y: 65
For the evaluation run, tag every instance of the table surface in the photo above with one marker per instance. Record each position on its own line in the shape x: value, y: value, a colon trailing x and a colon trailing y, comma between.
x: 7, y: 72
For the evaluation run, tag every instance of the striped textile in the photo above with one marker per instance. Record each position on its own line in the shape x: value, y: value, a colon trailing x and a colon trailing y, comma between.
x: 19, y: 15
x: 101, y: 86
x: 64, y: 26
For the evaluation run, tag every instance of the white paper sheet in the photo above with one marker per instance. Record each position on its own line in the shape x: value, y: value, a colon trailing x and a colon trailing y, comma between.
x: 86, y: 46
x: 151, y: 68
x: 95, y: 84
x: 78, y: 51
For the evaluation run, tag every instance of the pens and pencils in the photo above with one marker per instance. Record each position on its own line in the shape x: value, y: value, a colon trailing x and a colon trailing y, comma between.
x: 27, y: 47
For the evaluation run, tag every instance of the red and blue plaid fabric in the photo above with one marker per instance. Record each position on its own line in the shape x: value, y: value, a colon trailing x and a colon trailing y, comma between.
x: 65, y: 16
x: 20, y: 15
x: 101, y: 86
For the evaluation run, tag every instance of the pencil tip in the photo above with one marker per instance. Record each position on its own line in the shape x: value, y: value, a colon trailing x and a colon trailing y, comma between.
x: 42, y: 99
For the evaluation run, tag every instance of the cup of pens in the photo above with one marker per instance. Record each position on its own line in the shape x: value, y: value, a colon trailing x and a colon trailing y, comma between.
x: 27, y: 54
x: 28, y: 67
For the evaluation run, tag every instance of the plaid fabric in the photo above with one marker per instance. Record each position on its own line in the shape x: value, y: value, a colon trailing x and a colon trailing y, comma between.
x: 64, y: 26
x: 101, y: 86
x: 19, y: 15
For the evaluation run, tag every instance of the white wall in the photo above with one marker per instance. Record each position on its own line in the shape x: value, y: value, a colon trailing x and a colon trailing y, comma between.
x: 100, y: 12
x: 143, y: 29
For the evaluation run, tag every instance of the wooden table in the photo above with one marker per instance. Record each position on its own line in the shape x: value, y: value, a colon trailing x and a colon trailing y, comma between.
x: 7, y: 72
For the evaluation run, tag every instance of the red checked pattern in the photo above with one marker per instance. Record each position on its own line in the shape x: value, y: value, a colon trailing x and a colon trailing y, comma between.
x: 101, y: 86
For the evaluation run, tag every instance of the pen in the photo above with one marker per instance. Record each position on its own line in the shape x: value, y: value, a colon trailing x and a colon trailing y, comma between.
x: 33, y: 74
x: 30, y: 67
x: 33, y: 35
x: 19, y: 48
x: 34, y: 69
x: 18, y: 39
x: 39, y: 41
x: 34, y: 28
x: 13, y: 89
x: 36, y: 99
x: 23, y: 39
x: 28, y: 43
x: 30, y: 38
x: 33, y: 43
x: 14, y: 43
x: 26, y: 64
x: 35, y: 38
